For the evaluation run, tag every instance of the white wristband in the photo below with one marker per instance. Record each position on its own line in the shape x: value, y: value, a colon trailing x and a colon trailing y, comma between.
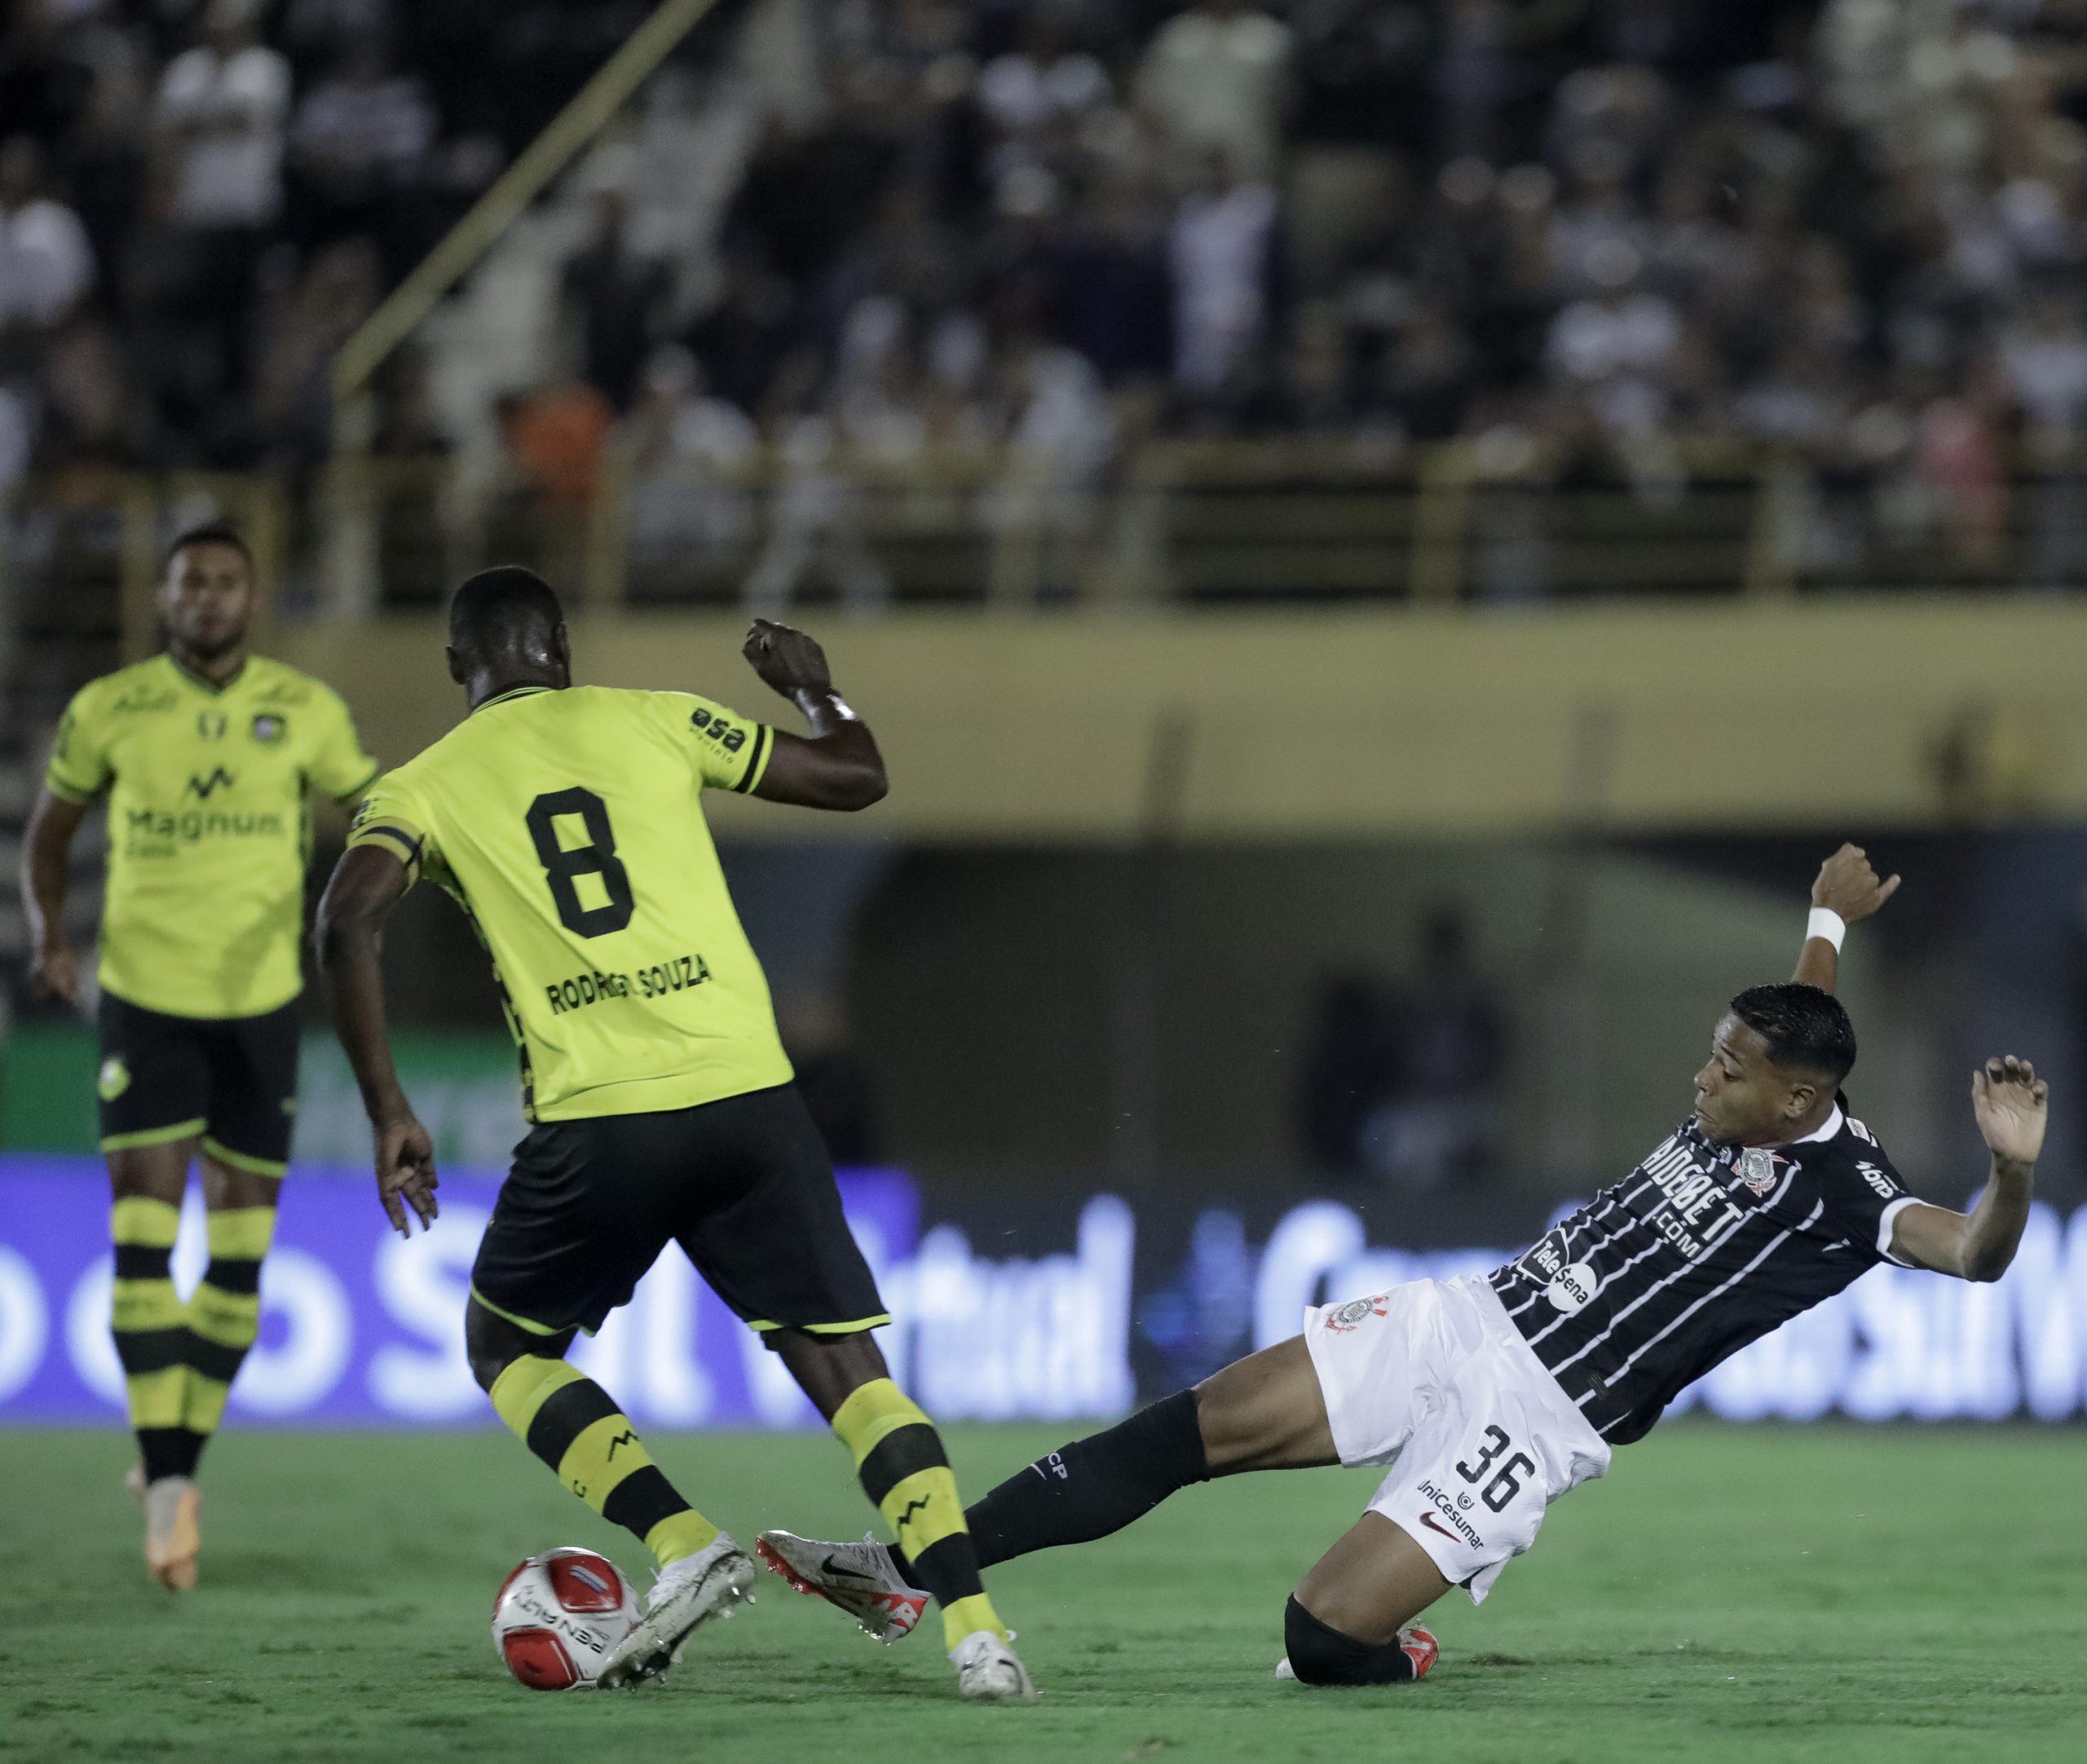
x: 1825, y: 923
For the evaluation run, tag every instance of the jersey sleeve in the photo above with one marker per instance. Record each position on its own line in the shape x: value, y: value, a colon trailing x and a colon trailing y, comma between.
x: 729, y: 751
x: 79, y: 769
x: 392, y: 820
x: 338, y: 765
x: 1865, y: 1197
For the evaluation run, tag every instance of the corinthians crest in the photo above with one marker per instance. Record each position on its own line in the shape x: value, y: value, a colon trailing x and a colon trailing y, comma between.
x: 1343, y: 1320
x: 1756, y: 1169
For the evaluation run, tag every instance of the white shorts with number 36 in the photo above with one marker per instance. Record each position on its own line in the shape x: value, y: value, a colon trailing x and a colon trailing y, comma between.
x: 1432, y: 1380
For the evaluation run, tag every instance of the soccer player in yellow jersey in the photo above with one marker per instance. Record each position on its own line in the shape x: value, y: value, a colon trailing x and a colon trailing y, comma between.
x: 565, y: 821
x: 205, y: 754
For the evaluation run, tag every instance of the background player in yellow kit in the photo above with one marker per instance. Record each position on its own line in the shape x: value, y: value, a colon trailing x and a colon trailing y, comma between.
x: 205, y: 754
x: 565, y: 821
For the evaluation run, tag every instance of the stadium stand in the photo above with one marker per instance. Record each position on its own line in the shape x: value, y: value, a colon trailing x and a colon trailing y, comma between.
x: 916, y: 300
x: 1087, y: 223
x: 1496, y: 301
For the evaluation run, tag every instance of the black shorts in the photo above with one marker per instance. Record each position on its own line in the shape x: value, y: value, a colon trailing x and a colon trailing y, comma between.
x: 743, y: 1185
x: 230, y: 1081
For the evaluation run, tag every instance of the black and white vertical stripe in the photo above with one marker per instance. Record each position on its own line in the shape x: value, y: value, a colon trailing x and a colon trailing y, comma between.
x: 1660, y: 1318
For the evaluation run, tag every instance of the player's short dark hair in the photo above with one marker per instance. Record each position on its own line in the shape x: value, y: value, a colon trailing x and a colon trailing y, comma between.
x: 207, y: 533
x: 1807, y: 1029
x: 504, y: 608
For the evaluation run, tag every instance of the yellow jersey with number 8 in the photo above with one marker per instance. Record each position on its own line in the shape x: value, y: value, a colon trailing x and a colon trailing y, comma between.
x: 566, y: 822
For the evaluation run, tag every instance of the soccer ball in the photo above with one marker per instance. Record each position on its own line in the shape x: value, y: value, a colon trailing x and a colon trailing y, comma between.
x: 559, y: 1616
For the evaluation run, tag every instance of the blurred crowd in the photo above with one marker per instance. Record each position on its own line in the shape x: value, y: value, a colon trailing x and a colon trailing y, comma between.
x: 199, y: 199
x: 1851, y: 228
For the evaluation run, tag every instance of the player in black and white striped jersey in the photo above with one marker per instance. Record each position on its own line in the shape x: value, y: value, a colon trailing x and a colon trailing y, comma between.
x: 1716, y: 1238
x: 1489, y: 1397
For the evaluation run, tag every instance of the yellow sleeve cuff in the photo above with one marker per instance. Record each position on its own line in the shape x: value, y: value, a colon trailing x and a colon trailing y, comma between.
x: 68, y: 792
x: 764, y: 745
x: 409, y: 845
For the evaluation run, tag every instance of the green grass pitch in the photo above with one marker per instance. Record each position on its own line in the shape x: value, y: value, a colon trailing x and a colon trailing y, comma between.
x: 1828, y: 1593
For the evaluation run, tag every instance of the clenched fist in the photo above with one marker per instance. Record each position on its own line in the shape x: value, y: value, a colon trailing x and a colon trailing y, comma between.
x: 787, y: 659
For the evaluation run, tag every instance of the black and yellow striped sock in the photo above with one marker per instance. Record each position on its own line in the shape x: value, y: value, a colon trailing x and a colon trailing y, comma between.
x: 224, y: 1312
x: 907, y: 1475
x: 574, y: 1426
x: 152, y: 1340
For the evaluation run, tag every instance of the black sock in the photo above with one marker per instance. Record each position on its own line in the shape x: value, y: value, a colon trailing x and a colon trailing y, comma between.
x: 169, y: 1451
x: 1093, y: 1486
x: 1319, y: 1655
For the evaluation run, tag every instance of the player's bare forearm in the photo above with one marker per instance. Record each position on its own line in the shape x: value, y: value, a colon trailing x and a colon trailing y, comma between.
x: 365, y: 886
x: 839, y: 768
x: 1818, y: 964
x: 349, y: 942
x: 1847, y: 887
x: 1993, y: 1233
x: 839, y: 765
x: 54, y: 970
x: 1980, y: 1245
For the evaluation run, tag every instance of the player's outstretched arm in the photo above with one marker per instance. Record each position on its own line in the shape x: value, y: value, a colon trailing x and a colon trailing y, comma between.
x: 54, y: 969
x: 365, y: 886
x: 2011, y: 1104
x: 839, y: 767
x: 1847, y: 891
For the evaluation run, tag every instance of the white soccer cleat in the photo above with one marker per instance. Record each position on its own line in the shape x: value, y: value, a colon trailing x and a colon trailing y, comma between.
x: 987, y: 1670
x: 857, y: 1578
x: 688, y: 1594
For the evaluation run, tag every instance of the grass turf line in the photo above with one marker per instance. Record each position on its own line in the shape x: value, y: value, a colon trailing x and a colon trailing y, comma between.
x: 1805, y: 1594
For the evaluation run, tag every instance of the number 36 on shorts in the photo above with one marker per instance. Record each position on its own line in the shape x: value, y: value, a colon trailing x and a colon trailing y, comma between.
x: 1432, y: 1380
x: 1500, y: 1488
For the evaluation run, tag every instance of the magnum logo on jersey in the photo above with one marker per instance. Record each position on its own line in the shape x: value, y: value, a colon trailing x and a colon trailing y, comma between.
x: 202, y: 786
x: 153, y: 832
x: 212, y: 725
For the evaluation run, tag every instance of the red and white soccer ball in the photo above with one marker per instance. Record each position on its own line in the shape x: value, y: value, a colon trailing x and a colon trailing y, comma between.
x: 559, y: 1616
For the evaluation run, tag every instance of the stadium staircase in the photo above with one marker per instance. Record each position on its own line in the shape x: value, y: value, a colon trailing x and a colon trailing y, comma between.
x: 678, y: 152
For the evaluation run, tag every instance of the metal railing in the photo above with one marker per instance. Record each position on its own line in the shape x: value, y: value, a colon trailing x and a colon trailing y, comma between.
x: 1172, y: 524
